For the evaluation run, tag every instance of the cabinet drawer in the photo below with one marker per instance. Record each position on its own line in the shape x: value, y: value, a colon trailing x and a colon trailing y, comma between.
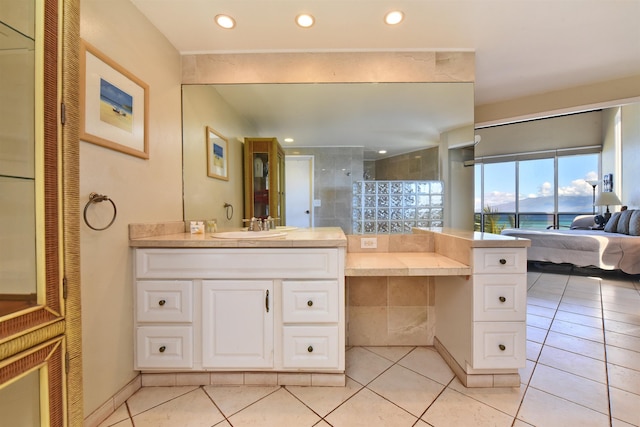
x: 245, y: 263
x: 164, y: 347
x: 312, y: 301
x: 164, y: 301
x: 500, y: 297
x: 500, y: 260
x: 499, y: 345
x: 310, y: 347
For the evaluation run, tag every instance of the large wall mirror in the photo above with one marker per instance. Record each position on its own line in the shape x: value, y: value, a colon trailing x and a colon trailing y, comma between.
x: 31, y: 298
x: 344, y: 125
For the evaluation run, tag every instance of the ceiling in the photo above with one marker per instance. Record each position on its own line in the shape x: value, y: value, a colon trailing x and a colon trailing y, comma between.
x: 522, y: 47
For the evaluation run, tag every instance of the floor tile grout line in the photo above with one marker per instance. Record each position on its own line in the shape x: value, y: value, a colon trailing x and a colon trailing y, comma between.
x: 606, y: 359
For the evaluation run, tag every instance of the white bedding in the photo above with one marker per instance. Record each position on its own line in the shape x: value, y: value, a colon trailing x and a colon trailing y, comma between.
x: 583, y: 248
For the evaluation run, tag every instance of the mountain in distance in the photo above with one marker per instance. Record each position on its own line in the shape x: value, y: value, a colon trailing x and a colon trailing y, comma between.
x: 545, y: 204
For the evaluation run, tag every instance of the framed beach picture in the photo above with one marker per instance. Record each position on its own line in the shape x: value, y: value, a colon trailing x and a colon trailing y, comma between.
x: 217, y: 155
x: 113, y: 104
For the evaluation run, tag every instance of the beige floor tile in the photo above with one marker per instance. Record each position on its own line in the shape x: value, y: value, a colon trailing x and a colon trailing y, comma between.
x: 576, y: 330
x: 367, y: 409
x: 392, y: 353
x: 407, y: 389
x: 624, y: 406
x: 193, y: 409
x: 518, y: 423
x: 580, y: 319
x: 580, y: 309
x: 580, y: 390
x: 624, y: 378
x: 455, y: 409
x: 325, y: 399
x: 622, y: 327
x: 582, y: 302
x: 634, y: 319
x: 231, y: 399
x: 533, y: 350
x: 623, y: 357
x: 363, y: 365
x: 505, y: 399
x: 538, y: 321
x: 276, y: 410
x: 575, y: 345
x: 532, y: 300
x: 574, y: 363
x: 536, y: 334
x: 619, y: 423
x: 120, y: 415
x: 543, y: 409
x: 426, y: 361
x: 148, y: 397
x: 621, y: 307
x: 541, y: 311
x: 527, y: 372
x: 628, y: 342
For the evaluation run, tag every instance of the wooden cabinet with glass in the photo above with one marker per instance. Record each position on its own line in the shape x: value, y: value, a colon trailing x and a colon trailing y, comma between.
x: 264, y: 179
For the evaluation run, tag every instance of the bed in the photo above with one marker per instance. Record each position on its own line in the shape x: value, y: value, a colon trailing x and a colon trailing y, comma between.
x: 617, y: 247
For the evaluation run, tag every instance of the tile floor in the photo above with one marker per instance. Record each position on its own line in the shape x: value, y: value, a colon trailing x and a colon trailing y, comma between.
x: 583, y: 369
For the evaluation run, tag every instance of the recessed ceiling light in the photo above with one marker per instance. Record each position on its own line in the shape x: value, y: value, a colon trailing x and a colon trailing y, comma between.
x: 394, y: 17
x: 225, y: 21
x: 305, y: 20
x: 382, y: 152
x: 288, y: 140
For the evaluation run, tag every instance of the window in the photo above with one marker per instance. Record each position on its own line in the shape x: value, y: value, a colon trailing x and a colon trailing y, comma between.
x: 551, y: 190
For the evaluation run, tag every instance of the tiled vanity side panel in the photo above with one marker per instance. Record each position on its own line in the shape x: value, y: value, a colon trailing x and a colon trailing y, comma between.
x: 452, y: 247
x: 394, y: 310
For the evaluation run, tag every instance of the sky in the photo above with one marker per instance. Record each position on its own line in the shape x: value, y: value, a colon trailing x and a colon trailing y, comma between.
x: 537, y: 178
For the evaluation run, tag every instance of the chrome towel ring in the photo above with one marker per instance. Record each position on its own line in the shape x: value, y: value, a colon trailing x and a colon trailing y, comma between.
x: 98, y: 198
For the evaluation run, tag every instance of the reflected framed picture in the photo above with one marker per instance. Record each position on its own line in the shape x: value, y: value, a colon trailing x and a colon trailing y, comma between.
x: 217, y: 155
x: 114, y: 104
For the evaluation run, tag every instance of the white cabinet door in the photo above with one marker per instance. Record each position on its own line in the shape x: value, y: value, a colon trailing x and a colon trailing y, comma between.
x: 237, y: 330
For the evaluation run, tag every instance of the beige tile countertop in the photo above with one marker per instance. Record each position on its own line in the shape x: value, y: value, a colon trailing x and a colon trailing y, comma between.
x: 172, y: 235
x: 403, y: 264
x: 477, y: 239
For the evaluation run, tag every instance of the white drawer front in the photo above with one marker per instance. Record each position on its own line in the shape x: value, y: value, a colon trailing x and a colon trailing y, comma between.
x: 164, y: 347
x: 499, y: 345
x: 164, y: 301
x: 499, y: 260
x: 500, y: 297
x: 312, y: 301
x: 245, y: 263
x: 310, y: 347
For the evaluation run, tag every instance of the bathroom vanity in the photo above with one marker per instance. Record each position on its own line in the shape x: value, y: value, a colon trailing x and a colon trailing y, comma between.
x: 276, y: 305
x: 267, y: 304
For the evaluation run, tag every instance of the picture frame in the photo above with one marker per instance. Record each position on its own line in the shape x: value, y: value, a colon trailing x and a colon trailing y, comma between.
x: 114, y: 104
x: 217, y: 155
x: 607, y: 183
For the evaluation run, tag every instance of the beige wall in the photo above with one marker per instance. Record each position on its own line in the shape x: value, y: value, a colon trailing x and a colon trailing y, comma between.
x: 204, y: 197
x: 630, y: 192
x: 417, y: 165
x: 143, y: 191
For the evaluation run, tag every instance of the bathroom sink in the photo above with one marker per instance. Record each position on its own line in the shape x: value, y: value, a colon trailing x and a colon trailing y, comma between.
x: 247, y: 235
x: 285, y: 228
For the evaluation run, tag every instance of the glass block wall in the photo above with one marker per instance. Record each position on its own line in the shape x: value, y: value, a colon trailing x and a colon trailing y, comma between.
x: 395, y: 207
